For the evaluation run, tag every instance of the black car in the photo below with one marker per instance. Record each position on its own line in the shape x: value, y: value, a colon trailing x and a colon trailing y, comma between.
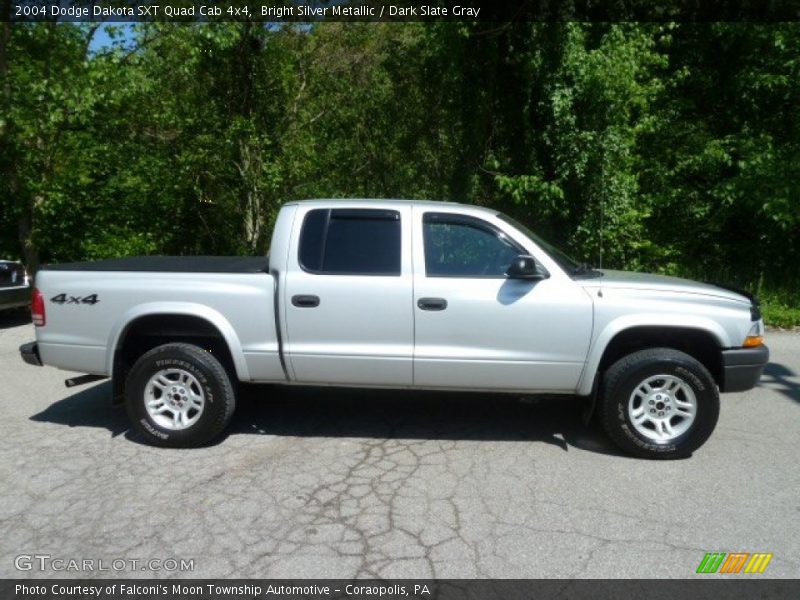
x: 15, y: 289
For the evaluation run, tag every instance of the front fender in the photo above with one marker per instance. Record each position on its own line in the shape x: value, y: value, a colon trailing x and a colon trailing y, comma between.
x: 620, y: 324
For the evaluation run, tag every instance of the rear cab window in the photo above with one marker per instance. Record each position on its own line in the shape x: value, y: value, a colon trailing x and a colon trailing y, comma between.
x: 351, y: 241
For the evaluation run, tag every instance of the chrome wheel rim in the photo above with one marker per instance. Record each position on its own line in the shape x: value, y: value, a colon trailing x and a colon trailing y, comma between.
x: 174, y: 399
x: 662, y: 408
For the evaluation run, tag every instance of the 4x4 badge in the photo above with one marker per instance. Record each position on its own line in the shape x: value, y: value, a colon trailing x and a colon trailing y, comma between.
x: 64, y: 299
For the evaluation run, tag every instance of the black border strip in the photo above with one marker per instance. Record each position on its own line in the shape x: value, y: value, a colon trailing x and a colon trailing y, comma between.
x: 286, y: 11
x: 711, y: 587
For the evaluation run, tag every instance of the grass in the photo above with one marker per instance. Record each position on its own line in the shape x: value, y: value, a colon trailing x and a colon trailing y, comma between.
x: 781, y: 306
x: 778, y: 314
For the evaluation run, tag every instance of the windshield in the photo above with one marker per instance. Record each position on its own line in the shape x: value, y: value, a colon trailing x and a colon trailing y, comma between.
x: 566, y: 262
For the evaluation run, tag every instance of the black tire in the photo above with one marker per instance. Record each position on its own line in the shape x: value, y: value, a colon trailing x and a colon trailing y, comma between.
x: 219, y: 396
x: 619, y: 383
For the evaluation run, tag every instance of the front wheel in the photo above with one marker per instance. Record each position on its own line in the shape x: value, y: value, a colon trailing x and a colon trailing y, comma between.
x: 179, y: 395
x: 659, y: 403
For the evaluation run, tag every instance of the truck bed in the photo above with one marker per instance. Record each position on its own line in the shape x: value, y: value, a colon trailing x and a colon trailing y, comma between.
x: 91, y: 305
x: 171, y: 264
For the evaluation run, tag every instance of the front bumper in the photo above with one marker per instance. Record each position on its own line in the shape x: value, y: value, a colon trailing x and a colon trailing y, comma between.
x: 30, y: 354
x: 742, y: 367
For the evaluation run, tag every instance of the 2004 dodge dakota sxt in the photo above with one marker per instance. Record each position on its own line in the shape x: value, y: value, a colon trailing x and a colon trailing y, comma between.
x: 400, y: 294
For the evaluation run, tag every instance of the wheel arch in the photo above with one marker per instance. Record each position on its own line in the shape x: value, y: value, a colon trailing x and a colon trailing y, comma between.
x: 703, y: 339
x: 147, y: 326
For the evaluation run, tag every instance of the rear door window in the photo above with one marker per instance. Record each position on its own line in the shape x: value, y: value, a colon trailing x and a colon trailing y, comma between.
x: 351, y: 241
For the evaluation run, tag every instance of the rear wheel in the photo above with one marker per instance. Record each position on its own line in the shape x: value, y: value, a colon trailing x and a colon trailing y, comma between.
x: 179, y: 395
x: 659, y: 403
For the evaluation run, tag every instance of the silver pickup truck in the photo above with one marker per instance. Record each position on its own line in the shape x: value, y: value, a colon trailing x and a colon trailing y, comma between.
x: 400, y: 294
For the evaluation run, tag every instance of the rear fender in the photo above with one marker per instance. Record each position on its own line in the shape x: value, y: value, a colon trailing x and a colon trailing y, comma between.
x: 180, y: 308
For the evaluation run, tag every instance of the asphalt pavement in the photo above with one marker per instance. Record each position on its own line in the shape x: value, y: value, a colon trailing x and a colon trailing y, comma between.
x: 364, y: 483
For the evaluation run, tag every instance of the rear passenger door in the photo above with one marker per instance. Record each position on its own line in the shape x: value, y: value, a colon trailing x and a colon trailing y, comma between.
x: 348, y: 296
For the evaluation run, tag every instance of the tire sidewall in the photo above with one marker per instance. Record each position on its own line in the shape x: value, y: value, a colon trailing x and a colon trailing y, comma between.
x: 705, y: 395
x: 173, y: 358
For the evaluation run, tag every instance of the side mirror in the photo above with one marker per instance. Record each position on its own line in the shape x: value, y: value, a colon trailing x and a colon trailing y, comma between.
x: 526, y: 267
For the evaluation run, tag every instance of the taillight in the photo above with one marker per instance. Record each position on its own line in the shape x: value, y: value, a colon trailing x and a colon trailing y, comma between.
x: 37, y: 308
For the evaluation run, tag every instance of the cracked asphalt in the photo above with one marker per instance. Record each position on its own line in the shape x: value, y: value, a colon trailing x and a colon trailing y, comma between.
x: 343, y: 483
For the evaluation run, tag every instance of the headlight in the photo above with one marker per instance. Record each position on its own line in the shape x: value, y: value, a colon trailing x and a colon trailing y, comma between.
x: 755, y: 337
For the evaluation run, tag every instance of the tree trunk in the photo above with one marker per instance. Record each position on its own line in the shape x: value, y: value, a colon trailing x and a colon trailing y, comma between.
x: 30, y: 253
x: 250, y: 157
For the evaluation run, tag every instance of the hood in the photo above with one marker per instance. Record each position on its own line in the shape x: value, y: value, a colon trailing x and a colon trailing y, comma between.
x: 648, y: 281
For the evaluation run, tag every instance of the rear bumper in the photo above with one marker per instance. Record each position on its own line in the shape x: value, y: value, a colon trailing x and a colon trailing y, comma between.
x: 13, y: 297
x: 30, y: 354
x: 742, y: 367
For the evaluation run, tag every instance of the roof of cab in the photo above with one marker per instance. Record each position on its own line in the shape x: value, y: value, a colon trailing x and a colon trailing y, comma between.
x: 331, y: 202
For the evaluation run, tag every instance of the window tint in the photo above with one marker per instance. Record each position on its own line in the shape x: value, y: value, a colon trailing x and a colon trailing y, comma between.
x: 465, y: 247
x: 311, y: 239
x: 351, y: 241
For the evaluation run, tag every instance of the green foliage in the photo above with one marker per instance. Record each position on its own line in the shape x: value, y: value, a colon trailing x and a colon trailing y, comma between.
x: 668, y: 147
x: 780, y: 311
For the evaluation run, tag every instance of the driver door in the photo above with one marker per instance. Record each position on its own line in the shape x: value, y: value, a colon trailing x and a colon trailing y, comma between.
x: 477, y: 329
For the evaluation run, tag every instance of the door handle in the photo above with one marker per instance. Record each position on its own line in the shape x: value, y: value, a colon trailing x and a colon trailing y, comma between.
x: 305, y: 301
x: 432, y: 303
